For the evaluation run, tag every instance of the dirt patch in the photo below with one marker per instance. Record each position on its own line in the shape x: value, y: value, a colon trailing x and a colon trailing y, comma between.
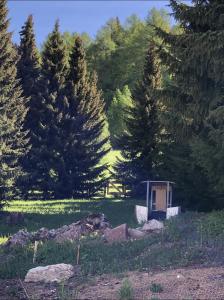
x: 202, y: 283
x: 190, y: 283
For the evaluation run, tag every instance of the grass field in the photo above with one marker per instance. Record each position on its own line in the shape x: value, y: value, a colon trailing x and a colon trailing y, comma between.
x: 191, y: 238
x: 56, y: 213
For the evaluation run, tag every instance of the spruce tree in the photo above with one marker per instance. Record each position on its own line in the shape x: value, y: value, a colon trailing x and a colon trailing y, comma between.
x: 29, y: 61
x: 84, y: 146
x: 13, y: 110
x: 29, y: 74
x: 139, y: 143
x: 193, y: 60
x: 48, y: 145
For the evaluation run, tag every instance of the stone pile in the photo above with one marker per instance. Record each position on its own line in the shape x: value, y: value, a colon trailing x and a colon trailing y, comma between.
x: 123, y: 233
x: 92, y: 223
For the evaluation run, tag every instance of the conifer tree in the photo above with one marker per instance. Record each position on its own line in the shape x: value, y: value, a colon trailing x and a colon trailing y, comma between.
x: 29, y: 61
x: 13, y: 140
x: 84, y: 146
x: 29, y: 74
x: 47, y: 152
x: 139, y: 143
x: 193, y: 60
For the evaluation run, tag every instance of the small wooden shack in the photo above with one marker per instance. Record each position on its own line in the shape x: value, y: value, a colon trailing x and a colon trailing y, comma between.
x: 159, y: 199
x: 159, y: 195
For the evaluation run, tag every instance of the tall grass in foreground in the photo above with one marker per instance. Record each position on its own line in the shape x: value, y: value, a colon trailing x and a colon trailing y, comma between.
x: 188, y: 239
x: 126, y: 291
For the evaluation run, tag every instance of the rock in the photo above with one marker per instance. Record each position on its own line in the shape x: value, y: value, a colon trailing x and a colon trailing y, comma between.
x: 98, y: 221
x: 135, y: 233
x: 85, y: 226
x: 43, y: 234
x: 93, y: 222
x: 65, y: 233
x: 21, y: 238
x: 152, y: 225
x: 117, y: 234
x: 51, y: 273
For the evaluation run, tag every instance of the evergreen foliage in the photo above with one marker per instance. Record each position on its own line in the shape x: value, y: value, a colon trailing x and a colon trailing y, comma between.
x: 29, y: 60
x: 29, y: 74
x: 118, y: 51
x: 193, y: 98
x: 117, y: 113
x: 13, y: 139
x: 49, y: 135
x: 139, y: 144
x: 170, y: 125
x: 84, y: 148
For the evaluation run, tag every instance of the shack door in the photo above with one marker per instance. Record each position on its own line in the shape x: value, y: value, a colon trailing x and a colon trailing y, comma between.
x: 160, y: 198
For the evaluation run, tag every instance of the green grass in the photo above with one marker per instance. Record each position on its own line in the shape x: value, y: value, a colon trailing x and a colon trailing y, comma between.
x: 156, y: 288
x: 187, y: 240
x: 111, y: 157
x: 3, y: 239
x: 56, y: 213
x: 191, y: 238
x: 126, y: 291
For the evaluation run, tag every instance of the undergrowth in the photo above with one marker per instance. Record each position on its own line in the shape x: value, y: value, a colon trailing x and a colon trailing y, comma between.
x: 191, y: 238
x: 126, y: 291
x: 188, y: 239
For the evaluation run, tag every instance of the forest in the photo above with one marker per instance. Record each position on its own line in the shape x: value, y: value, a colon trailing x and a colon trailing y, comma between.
x: 149, y: 92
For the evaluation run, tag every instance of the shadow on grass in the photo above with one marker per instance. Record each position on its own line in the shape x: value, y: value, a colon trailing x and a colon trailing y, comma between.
x: 53, y: 214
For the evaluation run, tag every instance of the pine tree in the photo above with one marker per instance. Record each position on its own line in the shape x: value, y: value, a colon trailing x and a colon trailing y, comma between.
x: 13, y: 110
x: 208, y: 151
x: 29, y: 74
x: 48, y: 146
x: 140, y: 143
x: 193, y: 57
x: 85, y: 146
x: 29, y: 61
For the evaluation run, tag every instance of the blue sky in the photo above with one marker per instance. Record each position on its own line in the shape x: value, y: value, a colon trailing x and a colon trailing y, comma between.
x: 78, y: 16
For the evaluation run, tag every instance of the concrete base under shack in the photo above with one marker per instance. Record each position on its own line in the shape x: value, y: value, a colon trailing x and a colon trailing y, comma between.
x: 142, y: 214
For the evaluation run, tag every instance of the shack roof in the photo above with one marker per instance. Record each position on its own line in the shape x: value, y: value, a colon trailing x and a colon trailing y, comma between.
x: 158, y: 182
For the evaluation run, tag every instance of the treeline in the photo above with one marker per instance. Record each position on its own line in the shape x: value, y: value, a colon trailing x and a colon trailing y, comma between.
x: 52, y: 118
x: 118, y: 51
x: 175, y: 131
x: 163, y: 90
x: 118, y: 55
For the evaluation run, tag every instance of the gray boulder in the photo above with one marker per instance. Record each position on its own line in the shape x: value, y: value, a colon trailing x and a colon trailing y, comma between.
x: 152, y: 225
x: 71, y: 232
x: 21, y: 238
x: 51, y: 273
x: 43, y: 234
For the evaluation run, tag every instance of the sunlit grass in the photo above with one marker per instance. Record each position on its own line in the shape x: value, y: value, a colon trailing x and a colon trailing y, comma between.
x: 110, y: 159
x: 48, y: 206
x: 56, y: 213
x: 3, y: 239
